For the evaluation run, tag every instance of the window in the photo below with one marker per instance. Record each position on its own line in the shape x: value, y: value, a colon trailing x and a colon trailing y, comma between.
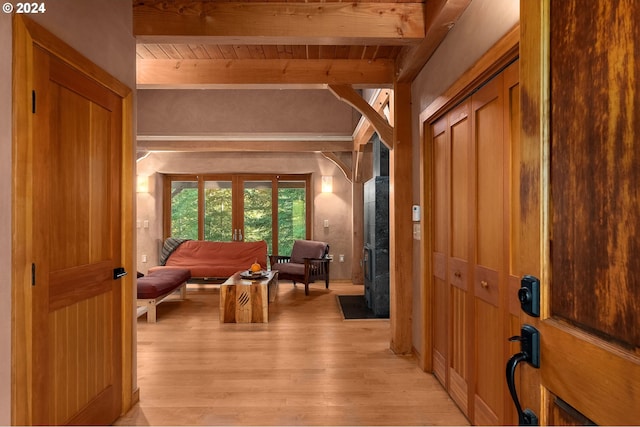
x: 275, y: 208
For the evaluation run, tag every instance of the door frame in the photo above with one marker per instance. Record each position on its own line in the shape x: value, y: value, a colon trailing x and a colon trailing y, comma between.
x: 26, y: 35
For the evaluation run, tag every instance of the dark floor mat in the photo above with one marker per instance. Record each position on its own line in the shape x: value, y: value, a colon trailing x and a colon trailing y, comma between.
x: 355, y: 307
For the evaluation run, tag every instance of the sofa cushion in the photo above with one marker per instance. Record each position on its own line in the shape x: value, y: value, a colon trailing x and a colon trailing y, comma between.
x: 161, y: 282
x: 307, y: 249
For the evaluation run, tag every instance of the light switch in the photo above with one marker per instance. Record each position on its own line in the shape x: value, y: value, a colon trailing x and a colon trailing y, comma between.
x: 146, y: 223
x: 416, y: 231
x: 326, y: 223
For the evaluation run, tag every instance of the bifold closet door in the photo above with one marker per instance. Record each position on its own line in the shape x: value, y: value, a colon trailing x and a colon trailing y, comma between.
x: 459, y: 250
x: 451, y: 179
x: 440, y: 158
x: 488, y: 278
x: 473, y: 226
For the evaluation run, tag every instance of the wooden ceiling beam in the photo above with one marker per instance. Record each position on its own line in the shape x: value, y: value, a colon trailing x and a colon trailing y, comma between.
x: 245, y: 146
x: 338, y: 23
x: 201, y: 72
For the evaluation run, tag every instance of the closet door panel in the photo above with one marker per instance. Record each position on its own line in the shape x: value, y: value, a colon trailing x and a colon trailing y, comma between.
x: 440, y: 157
x: 489, y: 254
x: 460, y: 344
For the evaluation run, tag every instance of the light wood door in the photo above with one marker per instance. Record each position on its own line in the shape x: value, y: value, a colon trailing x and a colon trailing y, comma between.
x: 472, y: 185
x: 458, y: 289
x: 581, y: 157
x: 440, y: 152
x: 77, y: 245
x: 488, y: 281
x: 451, y: 183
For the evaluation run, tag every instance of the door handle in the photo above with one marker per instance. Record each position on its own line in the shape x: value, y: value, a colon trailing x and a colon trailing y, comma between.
x: 529, y: 352
x: 119, y: 273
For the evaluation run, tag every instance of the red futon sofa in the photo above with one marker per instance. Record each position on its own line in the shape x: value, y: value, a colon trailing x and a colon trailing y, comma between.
x: 213, y: 260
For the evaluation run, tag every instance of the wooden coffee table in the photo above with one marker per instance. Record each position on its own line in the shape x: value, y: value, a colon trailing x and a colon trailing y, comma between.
x: 247, y: 300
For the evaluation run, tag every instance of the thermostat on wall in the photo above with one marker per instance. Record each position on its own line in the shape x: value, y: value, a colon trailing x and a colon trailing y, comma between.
x: 416, y: 213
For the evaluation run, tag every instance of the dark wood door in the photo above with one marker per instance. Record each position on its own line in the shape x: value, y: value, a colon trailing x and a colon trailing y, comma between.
x: 580, y: 179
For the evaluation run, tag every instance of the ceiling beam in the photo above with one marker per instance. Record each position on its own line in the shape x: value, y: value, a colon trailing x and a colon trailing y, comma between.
x: 348, y: 23
x: 202, y: 72
x: 245, y: 146
x: 442, y: 16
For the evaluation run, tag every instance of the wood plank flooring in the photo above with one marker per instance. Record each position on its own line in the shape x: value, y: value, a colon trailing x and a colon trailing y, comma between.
x: 307, y: 366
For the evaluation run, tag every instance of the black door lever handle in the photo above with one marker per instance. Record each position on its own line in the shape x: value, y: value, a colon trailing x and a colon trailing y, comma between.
x: 119, y: 273
x: 530, y: 353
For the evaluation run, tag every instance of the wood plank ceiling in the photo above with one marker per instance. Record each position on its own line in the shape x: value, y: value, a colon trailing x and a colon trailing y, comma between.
x: 365, y: 43
x: 299, y: 43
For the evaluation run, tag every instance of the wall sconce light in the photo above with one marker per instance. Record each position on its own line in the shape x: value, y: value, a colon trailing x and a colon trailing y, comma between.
x: 142, y: 184
x: 327, y: 184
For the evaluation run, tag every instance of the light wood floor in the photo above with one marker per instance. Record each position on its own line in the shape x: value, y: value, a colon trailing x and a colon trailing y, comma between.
x: 307, y: 366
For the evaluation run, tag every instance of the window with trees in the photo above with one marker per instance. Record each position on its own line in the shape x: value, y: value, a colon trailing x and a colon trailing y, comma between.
x: 275, y: 208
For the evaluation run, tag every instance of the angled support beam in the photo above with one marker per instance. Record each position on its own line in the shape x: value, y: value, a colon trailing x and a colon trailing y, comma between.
x: 346, y: 169
x: 357, y: 171
x: 274, y: 23
x: 350, y: 96
x: 364, y: 131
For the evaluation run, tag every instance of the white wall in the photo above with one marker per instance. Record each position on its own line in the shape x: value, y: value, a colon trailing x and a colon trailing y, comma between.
x: 102, y: 31
x: 478, y: 29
